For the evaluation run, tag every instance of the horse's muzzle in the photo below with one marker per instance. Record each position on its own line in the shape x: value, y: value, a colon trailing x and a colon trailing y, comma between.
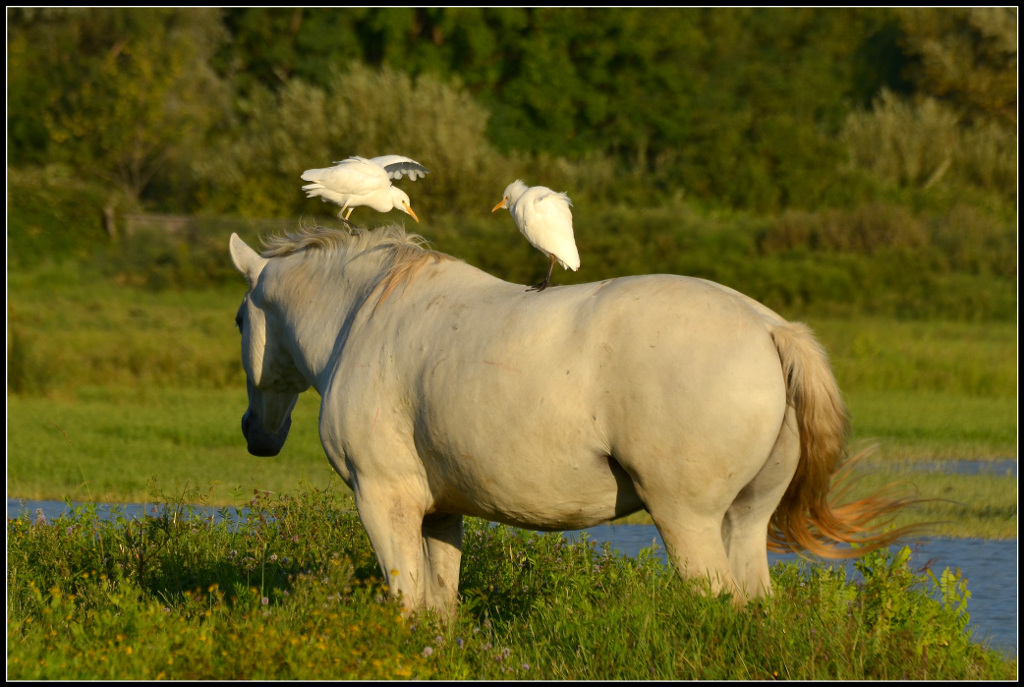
x: 260, y: 442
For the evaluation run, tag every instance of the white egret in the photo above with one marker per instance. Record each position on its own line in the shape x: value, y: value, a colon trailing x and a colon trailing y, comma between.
x: 544, y: 218
x: 358, y: 181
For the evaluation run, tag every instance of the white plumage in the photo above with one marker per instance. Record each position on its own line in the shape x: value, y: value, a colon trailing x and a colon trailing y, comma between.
x: 358, y: 181
x: 544, y: 218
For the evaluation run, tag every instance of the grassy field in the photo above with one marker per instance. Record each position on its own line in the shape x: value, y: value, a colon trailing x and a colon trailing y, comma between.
x: 295, y: 594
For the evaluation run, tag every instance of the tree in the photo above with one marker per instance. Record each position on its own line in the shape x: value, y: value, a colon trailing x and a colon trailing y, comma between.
x: 967, y: 57
x: 119, y: 92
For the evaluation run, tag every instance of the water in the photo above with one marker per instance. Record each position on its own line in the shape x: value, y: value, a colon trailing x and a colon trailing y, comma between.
x: 1004, y: 467
x: 989, y: 565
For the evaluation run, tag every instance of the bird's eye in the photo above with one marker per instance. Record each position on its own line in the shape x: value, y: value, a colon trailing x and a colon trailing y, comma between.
x: 238, y: 322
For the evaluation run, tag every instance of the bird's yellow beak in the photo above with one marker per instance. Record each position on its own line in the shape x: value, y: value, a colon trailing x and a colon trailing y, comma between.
x: 500, y: 205
x: 409, y: 210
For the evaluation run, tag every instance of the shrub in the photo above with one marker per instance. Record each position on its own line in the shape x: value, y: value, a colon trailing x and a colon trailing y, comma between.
x: 909, y: 144
x: 52, y: 214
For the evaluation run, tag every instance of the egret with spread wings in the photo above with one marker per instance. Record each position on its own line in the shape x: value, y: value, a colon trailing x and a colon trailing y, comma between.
x: 358, y: 181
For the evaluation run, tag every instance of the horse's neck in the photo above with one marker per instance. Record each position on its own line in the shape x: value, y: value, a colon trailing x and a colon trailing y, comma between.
x: 325, y: 297
x: 320, y: 299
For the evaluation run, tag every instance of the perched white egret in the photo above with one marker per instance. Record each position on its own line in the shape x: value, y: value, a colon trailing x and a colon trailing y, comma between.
x: 358, y: 181
x: 544, y: 218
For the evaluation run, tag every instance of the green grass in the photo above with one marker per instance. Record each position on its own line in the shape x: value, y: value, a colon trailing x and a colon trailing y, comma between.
x: 294, y: 593
x: 109, y: 445
x: 870, y: 354
x: 935, y: 425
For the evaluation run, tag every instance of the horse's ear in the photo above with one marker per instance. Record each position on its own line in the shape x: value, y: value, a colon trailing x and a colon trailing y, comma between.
x: 248, y: 261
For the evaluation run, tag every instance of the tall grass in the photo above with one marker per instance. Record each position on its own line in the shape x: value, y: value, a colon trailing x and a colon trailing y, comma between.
x: 293, y: 593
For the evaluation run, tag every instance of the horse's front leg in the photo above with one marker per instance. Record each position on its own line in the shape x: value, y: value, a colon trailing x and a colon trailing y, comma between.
x: 442, y: 535
x: 394, y: 522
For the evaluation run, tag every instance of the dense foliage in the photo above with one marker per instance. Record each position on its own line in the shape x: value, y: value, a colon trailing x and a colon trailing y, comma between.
x: 798, y: 155
x: 737, y: 107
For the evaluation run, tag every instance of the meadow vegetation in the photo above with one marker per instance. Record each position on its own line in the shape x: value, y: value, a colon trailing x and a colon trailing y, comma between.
x: 293, y: 592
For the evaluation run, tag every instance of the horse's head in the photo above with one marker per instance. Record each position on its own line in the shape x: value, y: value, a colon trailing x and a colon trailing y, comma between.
x: 272, y: 379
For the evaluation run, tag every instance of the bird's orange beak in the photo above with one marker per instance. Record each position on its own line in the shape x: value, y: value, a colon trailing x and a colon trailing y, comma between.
x: 499, y: 205
x: 409, y: 210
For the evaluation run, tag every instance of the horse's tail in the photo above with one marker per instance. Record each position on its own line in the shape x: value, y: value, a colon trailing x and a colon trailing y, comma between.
x: 808, y: 517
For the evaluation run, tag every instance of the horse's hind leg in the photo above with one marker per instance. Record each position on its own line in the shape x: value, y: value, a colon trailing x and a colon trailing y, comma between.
x: 694, y: 543
x: 745, y: 527
x: 688, y: 507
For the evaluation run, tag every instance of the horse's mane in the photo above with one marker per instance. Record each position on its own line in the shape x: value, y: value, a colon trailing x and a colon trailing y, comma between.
x: 405, y: 253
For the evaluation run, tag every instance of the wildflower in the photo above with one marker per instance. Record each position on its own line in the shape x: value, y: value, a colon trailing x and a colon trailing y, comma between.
x: 459, y: 642
x: 427, y: 650
x: 264, y: 601
x: 526, y: 666
x: 273, y: 557
x: 40, y: 518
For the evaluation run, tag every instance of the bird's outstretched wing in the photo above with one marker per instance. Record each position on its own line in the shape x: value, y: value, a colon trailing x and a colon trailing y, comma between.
x: 397, y: 165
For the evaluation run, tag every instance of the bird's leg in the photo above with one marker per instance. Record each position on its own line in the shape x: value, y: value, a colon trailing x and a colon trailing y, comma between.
x: 547, y: 280
x: 349, y: 213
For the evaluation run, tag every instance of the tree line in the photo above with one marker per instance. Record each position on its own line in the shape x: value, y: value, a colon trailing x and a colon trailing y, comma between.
x: 762, y: 110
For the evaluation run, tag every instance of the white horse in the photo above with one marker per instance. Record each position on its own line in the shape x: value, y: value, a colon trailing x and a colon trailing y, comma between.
x: 448, y: 392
